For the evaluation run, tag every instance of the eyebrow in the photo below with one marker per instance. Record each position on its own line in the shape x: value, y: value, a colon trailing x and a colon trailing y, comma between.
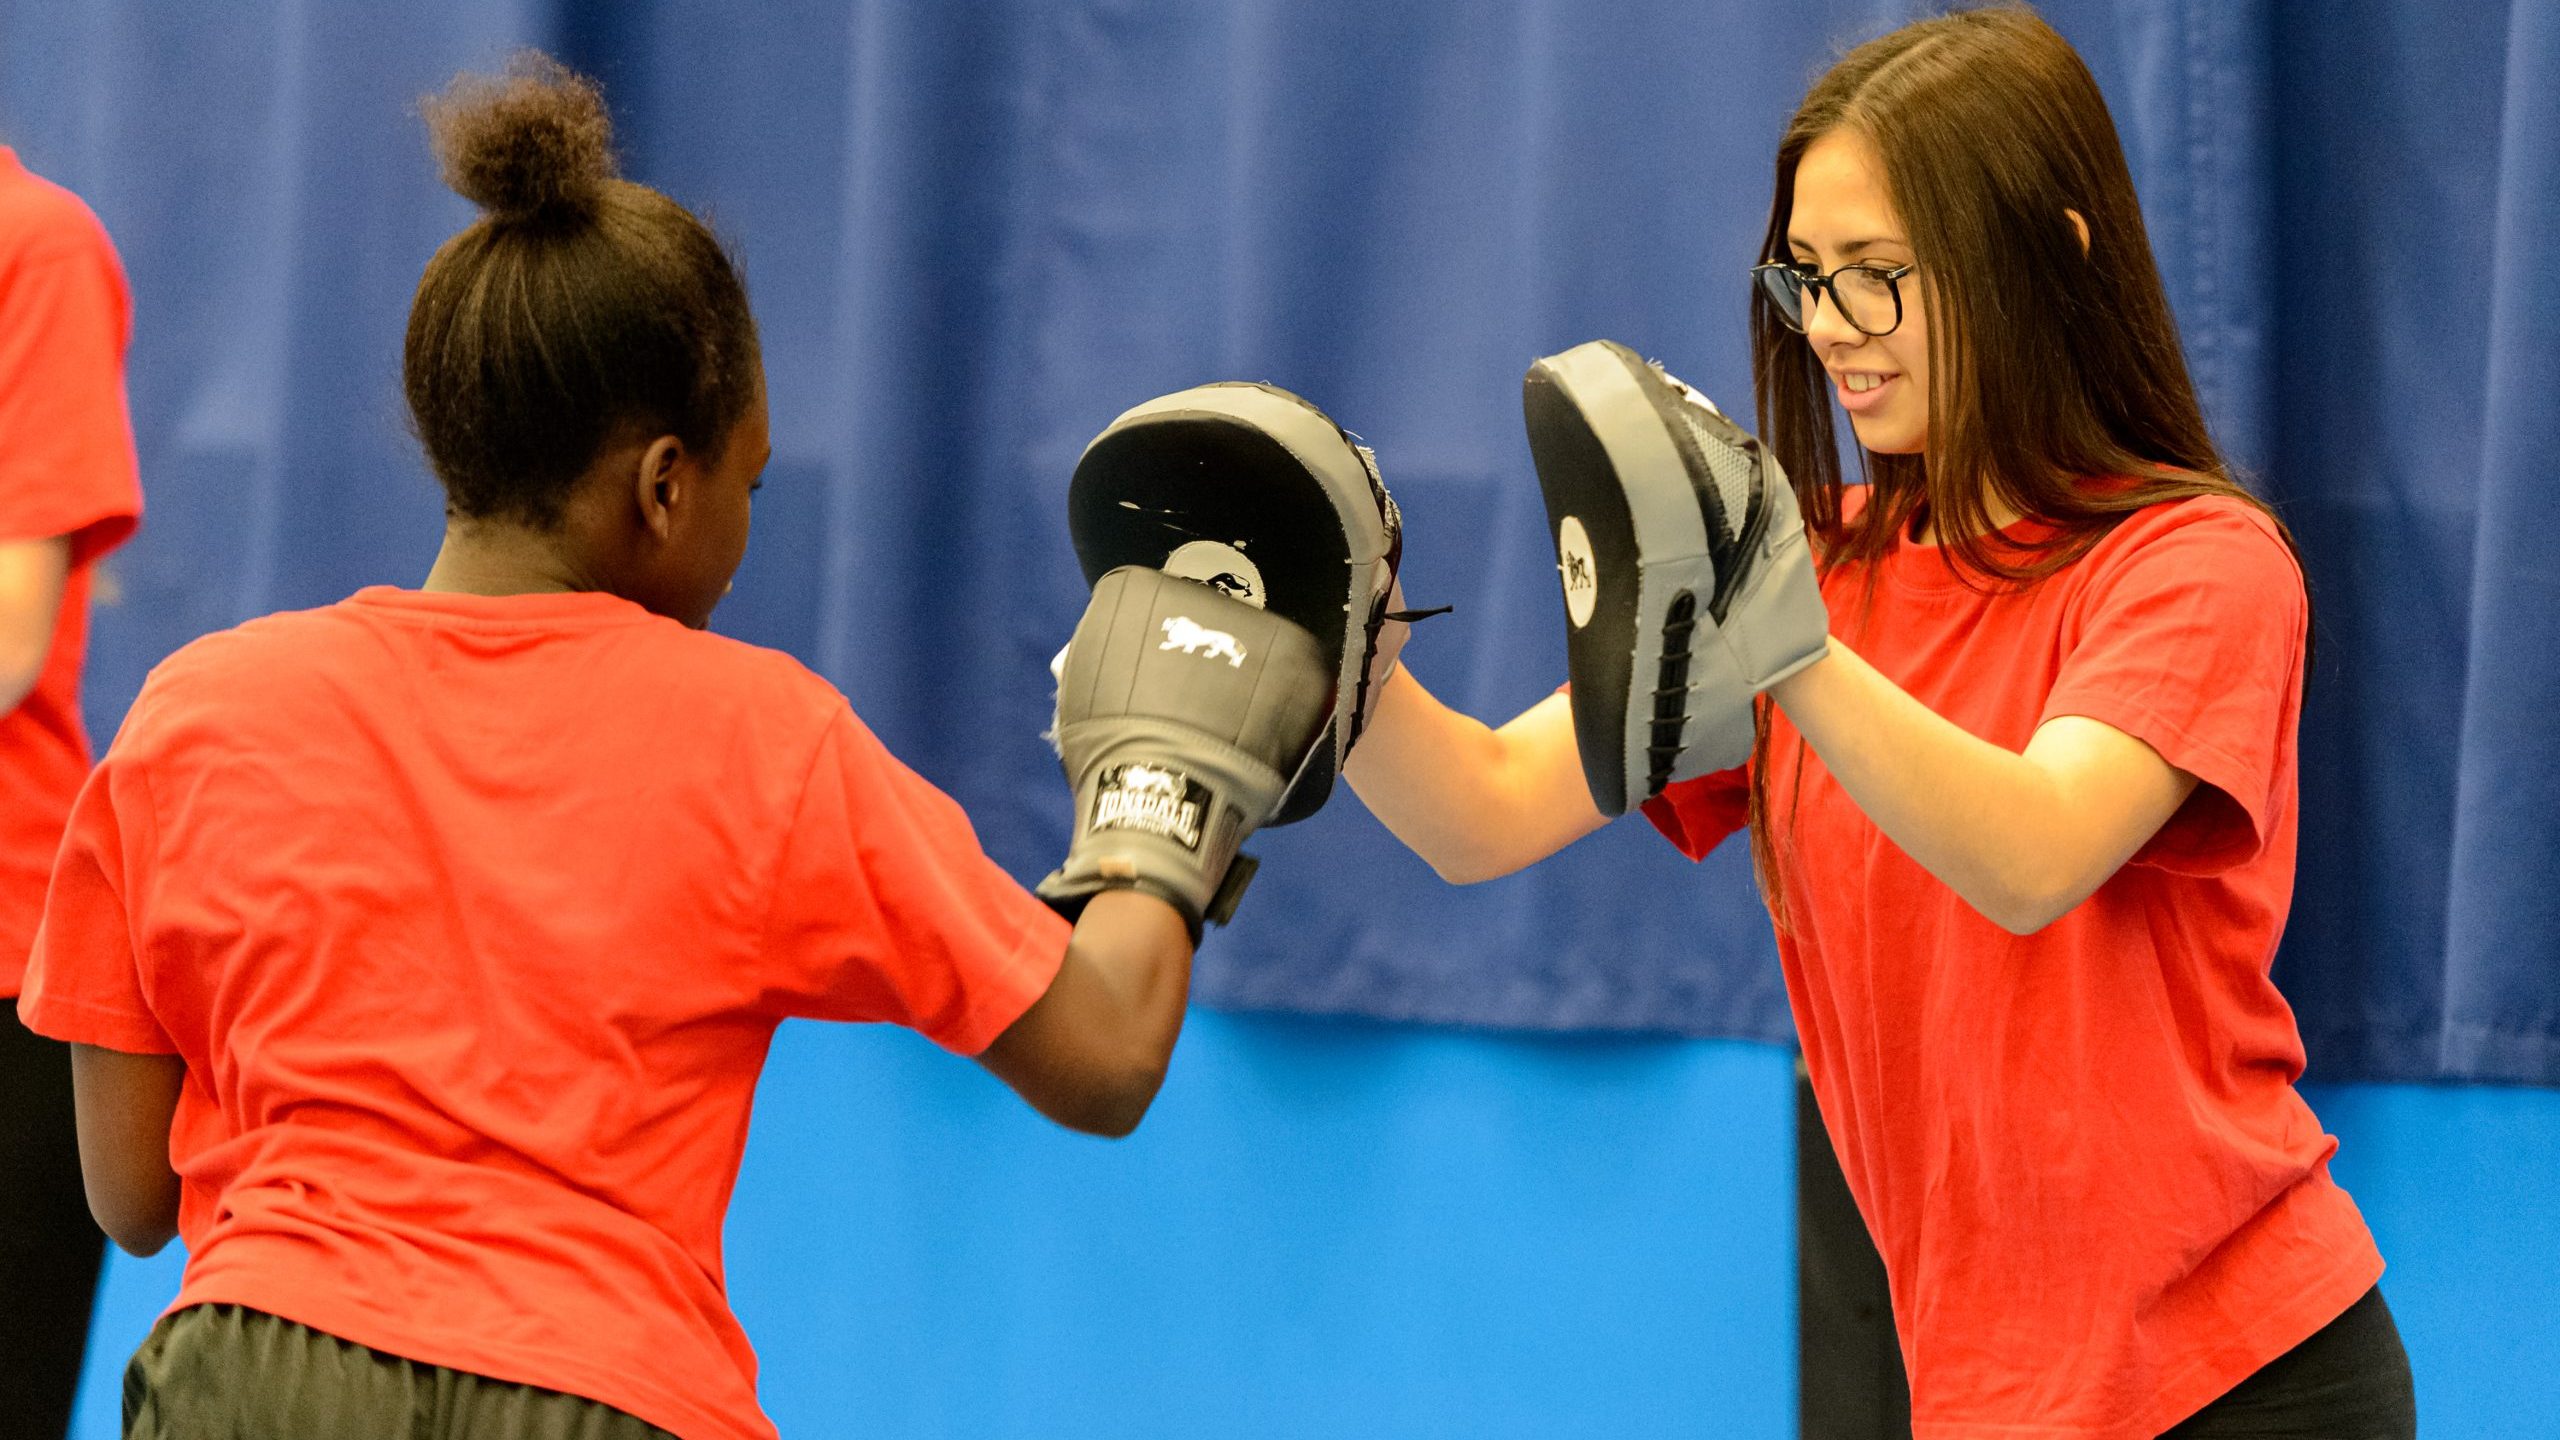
x: 1854, y: 246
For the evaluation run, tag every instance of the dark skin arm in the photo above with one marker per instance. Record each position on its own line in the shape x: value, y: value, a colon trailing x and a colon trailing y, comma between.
x: 1091, y: 1053
x: 124, y: 1104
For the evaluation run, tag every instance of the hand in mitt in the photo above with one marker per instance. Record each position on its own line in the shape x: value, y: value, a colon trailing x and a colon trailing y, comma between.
x: 1183, y: 717
x: 1688, y: 586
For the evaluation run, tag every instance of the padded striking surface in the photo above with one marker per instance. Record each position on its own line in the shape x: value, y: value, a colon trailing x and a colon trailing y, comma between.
x: 1251, y: 490
x: 1654, y: 502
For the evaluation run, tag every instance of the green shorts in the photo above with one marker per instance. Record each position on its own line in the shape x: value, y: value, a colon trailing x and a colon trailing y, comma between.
x: 221, y: 1372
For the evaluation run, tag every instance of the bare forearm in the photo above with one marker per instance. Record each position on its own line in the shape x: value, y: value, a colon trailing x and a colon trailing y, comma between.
x: 1091, y: 1053
x: 2020, y: 837
x: 124, y: 1104
x: 1140, y: 957
x: 1474, y: 801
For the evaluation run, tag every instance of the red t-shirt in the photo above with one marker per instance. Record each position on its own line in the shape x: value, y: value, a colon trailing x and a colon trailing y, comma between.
x: 472, y: 919
x: 2099, y: 1199
x: 66, y: 470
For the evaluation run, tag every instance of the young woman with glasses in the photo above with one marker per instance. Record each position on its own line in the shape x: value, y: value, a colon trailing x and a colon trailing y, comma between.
x: 2027, y: 832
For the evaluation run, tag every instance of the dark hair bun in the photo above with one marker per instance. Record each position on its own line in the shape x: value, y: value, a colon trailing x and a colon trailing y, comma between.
x: 530, y: 141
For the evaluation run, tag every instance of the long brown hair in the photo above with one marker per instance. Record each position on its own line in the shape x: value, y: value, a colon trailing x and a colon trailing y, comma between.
x: 2058, y: 385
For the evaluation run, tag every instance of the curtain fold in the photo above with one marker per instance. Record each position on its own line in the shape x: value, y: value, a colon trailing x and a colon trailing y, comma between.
x: 2502, y: 950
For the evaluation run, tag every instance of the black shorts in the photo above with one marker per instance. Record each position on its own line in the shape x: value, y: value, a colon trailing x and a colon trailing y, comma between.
x: 2349, y: 1381
x: 221, y: 1372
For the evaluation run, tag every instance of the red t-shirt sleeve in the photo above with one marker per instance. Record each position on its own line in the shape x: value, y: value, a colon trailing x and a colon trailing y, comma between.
x: 84, y: 980
x: 2191, y: 641
x: 1697, y: 815
x: 66, y: 444
x: 885, y: 908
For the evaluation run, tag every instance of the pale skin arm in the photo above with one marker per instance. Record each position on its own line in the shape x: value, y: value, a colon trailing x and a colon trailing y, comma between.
x: 2022, y: 837
x: 123, y: 1105
x: 1475, y: 802
x: 32, y: 573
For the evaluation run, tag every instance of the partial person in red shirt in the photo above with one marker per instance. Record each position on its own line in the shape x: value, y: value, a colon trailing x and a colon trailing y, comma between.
x: 2027, y: 832
x: 419, y: 954
x: 68, y: 495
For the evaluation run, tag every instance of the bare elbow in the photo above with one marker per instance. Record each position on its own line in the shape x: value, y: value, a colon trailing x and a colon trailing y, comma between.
x: 1461, y: 869
x: 2030, y: 903
x: 143, y: 1244
x: 1449, y: 856
x: 1111, y: 1098
x: 2019, y: 921
x: 137, y: 1233
x: 1456, y: 848
x: 1112, y: 1109
x: 1474, y: 864
x: 1115, y: 1124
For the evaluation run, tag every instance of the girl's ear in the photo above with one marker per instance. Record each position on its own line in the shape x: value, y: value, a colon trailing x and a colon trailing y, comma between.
x: 2079, y: 223
x: 656, y: 481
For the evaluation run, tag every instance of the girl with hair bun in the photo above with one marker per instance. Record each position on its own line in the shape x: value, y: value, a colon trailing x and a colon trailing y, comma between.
x: 2027, y: 832
x: 420, y: 952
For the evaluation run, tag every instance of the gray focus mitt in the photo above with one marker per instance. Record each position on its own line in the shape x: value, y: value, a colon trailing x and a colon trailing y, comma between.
x: 1252, y: 491
x: 1688, y: 585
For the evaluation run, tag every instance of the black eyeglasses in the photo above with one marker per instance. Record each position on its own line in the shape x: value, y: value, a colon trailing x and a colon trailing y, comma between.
x: 1867, y: 295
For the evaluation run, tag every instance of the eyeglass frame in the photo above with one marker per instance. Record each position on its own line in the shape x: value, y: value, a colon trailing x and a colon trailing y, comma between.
x: 1812, y: 281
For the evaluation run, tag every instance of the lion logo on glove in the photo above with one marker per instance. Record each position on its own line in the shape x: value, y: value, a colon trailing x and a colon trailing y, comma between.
x: 1193, y: 638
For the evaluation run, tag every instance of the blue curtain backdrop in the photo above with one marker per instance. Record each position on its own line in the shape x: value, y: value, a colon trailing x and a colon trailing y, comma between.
x: 976, y: 232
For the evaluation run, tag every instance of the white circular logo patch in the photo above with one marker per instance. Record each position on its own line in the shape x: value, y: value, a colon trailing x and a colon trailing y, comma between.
x: 1579, y: 571
x: 1222, y: 568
